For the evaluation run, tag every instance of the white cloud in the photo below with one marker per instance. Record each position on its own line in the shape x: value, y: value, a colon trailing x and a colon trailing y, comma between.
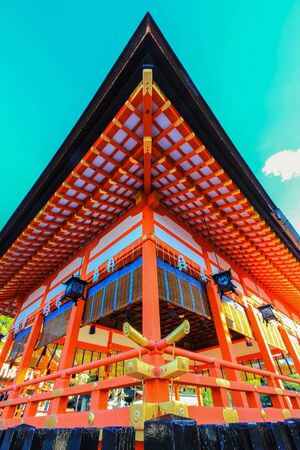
x: 284, y: 164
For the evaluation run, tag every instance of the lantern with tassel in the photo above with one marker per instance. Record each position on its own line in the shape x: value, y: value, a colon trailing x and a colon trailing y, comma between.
x: 267, y: 313
x: 74, y: 288
x: 171, y: 310
x: 224, y: 282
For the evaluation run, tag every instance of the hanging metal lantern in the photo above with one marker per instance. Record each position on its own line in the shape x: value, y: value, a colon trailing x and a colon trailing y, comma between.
x: 171, y: 310
x: 128, y: 312
x: 92, y: 329
x: 249, y: 342
x: 224, y: 282
x: 267, y: 313
x: 202, y: 323
x: 74, y: 288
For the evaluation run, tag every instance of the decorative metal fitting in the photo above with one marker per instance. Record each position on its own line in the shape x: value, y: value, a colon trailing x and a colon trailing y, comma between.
x: 230, y: 415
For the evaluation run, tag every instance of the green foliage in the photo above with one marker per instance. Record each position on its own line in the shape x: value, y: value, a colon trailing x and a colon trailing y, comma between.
x: 5, y: 324
x: 264, y: 398
x: 206, y: 396
x: 292, y: 386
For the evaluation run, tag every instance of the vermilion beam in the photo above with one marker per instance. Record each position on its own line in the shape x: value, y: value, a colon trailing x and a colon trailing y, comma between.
x: 147, y: 121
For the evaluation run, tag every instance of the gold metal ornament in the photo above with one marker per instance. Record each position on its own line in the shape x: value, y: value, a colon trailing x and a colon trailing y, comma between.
x: 138, y: 369
x: 223, y: 383
x: 141, y: 412
x: 91, y: 418
x: 263, y: 414
x: 147, y: 81
x: 147, y: 140
x: 174, y: 369
x: 174, y: 407
x: 57, y: 393
x: 181, y: 331
x: 279, y: 391
x: 230, y: 415
x: 51, y: 421
x: 286, y: 413
x: 134, y: 335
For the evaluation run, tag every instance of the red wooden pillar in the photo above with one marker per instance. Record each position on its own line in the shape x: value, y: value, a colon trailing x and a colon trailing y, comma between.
x: 29, y: 348
x: 99, y: 399
x: 219, y: 396
x: 290, y: 347
x: 23, y: 365
x: 224, y: 339
x: 278, y: 401
x: 5, y: 349
x: 58, y: 405
x: 151, y: 315
x: 155, y: 390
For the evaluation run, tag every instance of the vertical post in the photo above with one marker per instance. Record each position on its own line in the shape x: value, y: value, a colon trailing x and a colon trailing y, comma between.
x: 58, y: 404
x: 10, y: 336
x: 176, y: 392
x: 48, y: 287
x: 29, y: 348
x: 99, y: 399
x: 147, y: 122
x: 199, y: 396
x: 6, y: 348
x: 151, y: 315
x: 70, y: 344
x: 155, y: 390
x: 219, y: 396
x: 278, y: 401
x: 23, y: 366
x: 290, y: 347
x: 224, y: 339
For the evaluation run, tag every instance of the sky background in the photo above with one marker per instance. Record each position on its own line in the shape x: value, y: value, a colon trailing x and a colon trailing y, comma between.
x: 244, y: 58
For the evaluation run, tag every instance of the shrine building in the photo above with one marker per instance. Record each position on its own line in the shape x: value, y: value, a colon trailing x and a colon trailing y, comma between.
x: 147, y: 269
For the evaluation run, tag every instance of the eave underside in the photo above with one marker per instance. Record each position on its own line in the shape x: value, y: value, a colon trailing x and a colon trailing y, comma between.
x: 191, y: 183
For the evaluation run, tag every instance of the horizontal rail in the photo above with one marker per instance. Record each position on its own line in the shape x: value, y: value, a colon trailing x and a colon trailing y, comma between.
x: 82, y: 389
x: 205, y: 381
x: 76, y: 369
x: 229, y: 365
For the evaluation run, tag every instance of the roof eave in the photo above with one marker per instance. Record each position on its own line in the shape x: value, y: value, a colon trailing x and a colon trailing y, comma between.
x: 146, y: 45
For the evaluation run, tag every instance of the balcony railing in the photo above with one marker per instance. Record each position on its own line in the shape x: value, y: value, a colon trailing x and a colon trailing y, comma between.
x: 226, y: 391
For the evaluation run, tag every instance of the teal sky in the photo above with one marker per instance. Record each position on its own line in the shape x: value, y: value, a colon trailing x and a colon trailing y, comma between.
x: 244, y: 57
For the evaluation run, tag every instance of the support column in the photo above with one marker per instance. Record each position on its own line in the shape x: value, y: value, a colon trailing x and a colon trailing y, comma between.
x: 23, y: 366
x: 10, y: 336
x: 151, y: 314
x: 278, y: 401
x: 70, y: 344
x: 58, y: 405
x: 29, y: 348
x: 5, y: 349
x: 290, y: 347
x: 155, y: 390
x: 224, y: 339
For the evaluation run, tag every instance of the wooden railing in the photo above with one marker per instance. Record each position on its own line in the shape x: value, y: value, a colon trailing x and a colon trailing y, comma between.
x: 226, y: 392
x: 285, y: 402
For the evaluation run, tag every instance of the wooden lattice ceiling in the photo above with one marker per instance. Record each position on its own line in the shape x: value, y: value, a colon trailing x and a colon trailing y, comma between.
x: 192, y: 185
